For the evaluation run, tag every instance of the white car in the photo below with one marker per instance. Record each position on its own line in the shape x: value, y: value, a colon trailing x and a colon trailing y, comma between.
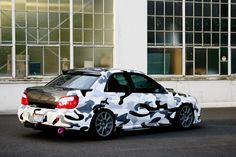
x: 102, y: 100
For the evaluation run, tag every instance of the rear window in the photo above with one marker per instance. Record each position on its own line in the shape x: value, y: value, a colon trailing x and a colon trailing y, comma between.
x: 73, y: 81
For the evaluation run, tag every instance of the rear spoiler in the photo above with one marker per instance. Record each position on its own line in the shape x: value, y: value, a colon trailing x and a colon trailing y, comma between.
x: 82, y: 72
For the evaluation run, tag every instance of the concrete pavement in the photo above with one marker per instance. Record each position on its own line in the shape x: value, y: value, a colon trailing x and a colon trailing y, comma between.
x: 216, y: 136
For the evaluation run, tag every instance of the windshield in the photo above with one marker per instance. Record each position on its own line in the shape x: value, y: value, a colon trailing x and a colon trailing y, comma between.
x: 73, y: 81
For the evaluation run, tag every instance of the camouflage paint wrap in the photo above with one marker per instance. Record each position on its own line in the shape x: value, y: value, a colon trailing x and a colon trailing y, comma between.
x: 131, y: 110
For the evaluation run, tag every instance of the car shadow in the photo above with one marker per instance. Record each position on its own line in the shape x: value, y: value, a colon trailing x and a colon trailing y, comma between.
x: 161, y: 132
x: 75, y: 136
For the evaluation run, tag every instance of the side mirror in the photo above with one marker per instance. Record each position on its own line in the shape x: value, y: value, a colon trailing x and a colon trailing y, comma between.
x: 170, y: 90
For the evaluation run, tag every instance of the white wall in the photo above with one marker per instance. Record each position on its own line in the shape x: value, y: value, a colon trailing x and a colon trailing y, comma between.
x: 130, y: 38
x: 210, y: 93
x: 10, y: 95
x: 216, y: 93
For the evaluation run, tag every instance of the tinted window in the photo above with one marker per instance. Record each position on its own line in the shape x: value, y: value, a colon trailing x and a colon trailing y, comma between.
x: 144, y: 84
x: 118, y: 83
x: 73, y: 81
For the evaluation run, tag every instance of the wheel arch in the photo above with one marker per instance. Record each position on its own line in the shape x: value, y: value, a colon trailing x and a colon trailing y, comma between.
x: 186, y: 103
x: 100, y: 108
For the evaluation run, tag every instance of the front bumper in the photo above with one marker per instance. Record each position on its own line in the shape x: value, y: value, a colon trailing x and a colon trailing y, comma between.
x: 67, y: 118
x: 197, y: 114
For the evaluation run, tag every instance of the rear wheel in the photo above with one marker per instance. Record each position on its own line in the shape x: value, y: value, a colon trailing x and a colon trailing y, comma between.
x: 184, y: 117
x: 102, y: 125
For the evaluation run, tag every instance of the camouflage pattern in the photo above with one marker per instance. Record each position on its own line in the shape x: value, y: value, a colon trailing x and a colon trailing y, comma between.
x: 131, y: 110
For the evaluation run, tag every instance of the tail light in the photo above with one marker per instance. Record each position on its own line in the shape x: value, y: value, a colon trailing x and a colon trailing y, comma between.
x: 24, y: 99
x: 68, y: 102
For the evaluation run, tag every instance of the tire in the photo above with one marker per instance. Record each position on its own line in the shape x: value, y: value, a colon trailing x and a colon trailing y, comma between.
x: 184, y: 117
x: 102, y: 125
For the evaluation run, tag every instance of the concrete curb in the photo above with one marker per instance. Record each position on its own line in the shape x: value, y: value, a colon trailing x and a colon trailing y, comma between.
x: 218, y: 104
x: 6, y: 112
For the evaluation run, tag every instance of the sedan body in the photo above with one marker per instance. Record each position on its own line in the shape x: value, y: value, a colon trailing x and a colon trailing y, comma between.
x: 102, y: 100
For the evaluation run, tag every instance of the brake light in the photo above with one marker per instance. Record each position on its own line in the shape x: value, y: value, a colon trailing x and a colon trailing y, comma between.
x: 68, y: 102
x: 24, y: 100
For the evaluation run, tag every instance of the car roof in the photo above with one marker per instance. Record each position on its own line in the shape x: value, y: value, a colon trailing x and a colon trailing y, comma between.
x: 96, y: 71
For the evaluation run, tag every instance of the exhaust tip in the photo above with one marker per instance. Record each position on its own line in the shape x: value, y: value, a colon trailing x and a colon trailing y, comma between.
x: 60, y: 131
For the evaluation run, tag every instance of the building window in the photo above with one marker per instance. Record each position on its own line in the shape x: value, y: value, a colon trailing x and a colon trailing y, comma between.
x: 164, y: 23
x: 93, y: 33
x: 5, y: 22
x: 5, y: 38
x: 165, y: 37
x: 233, y: 37
x: 5, y: 60
x: 205, y: 23
x: 233, y: 23
x: 224, y: 61
x: 165, y: 61
x: 42, y: 29
x: 206, y: 61
x: 206, y: 37
x: 156, y: 60
x: 233, y: 60
x: 43, y: 60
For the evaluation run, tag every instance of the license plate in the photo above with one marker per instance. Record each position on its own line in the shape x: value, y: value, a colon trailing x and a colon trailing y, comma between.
x: 38, y: 118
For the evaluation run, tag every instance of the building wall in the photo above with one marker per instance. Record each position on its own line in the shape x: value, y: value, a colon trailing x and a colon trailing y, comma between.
x: 11, y: 93
x: 130, y: 51
x: 209, y: 93
x: 130, y: 43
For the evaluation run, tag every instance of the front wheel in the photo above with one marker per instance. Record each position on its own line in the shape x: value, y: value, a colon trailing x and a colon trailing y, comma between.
x: 102, y: 124
x: 184, y: 117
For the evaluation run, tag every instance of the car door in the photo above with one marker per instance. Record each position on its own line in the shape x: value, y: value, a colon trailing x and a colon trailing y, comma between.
x: 121, y: 99
x: 154, y: 102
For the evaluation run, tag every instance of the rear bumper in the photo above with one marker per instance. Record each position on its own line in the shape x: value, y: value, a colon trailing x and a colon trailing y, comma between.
x: 70, y: 119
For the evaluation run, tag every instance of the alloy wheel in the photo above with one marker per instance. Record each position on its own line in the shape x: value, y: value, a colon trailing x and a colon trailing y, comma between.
x: 104, y: 124
x: 186, y: 116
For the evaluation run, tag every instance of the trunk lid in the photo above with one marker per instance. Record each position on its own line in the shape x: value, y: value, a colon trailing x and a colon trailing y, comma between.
x: 44, y: 96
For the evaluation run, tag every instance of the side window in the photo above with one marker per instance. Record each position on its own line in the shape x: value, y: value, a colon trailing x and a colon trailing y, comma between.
x: 144, y: 84
x: 118, y: 83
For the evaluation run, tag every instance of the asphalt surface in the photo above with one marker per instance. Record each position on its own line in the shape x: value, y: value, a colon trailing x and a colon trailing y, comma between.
x: 216, y: 136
